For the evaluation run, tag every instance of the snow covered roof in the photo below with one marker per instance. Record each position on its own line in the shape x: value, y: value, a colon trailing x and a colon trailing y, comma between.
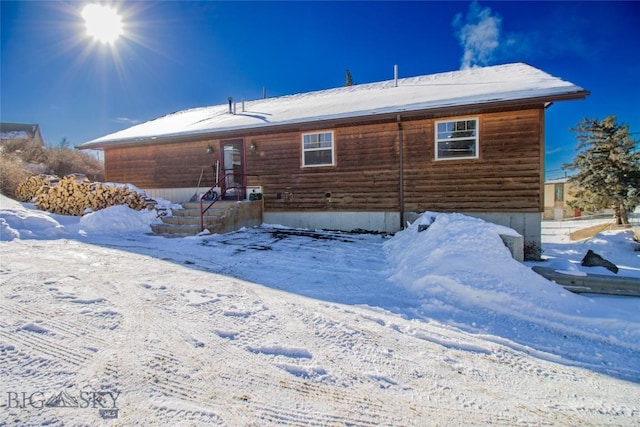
x: 473, y: 86
x: 20, y: 131
x: 557, y: 181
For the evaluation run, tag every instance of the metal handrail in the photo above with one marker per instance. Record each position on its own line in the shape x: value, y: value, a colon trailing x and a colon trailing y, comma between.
x: 219, y: 196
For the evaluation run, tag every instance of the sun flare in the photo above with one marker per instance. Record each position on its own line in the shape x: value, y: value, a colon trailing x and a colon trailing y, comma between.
x: 103, y: 23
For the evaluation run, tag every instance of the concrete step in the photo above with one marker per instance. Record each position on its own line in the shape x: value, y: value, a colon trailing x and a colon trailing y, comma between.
x: 188, y: 224
x: 212, y: 211
x: 185, y: 220
x: 221, y: 217
x: 175, y: 229
x: 218, y: 205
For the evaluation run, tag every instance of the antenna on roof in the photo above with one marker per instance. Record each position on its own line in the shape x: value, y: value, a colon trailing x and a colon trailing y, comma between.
x: 395, y: 75
x: 230, y: 105
x: 264, y: 92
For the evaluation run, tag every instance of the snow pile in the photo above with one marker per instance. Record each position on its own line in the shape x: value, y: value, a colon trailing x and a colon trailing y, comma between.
x: 614, y: 245
x: 438, y: 246
x: 453, y: 263
x: 16, y: 222
x: 20, y: 222
x: 463, y: 275
x: 118, y: 219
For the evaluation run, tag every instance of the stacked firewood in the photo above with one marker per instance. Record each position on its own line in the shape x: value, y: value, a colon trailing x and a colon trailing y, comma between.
x: 76, y: 195
x: 26, y: 190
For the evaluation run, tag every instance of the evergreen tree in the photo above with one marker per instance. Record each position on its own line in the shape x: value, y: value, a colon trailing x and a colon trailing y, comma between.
x: 349, y: 80
x: 608, y: 168
x: 64, y: 143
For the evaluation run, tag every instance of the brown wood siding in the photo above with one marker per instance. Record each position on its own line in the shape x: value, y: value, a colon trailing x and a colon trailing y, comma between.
x: 506, y: 176
x: 364, y: 177
x: 161, y: 166
x: 542, y: 167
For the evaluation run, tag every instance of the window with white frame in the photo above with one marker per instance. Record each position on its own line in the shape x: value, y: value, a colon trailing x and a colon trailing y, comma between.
x: 457, y: 139
x: 317, y: 149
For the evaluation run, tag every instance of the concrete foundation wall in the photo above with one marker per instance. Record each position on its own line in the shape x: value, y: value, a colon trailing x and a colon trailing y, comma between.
x: 175, y: 195
x: 387, y: 222
x: 529, y: 225
x: 179, y: 195
x: 526, y: 224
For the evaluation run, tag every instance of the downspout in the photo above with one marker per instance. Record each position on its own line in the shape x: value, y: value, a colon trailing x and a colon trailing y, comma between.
x: 543, y: 144
x: 400, y: 171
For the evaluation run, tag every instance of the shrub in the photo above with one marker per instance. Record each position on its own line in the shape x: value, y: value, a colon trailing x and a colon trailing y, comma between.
x: 29, y: 151
x: 64, y: 161
x: 532, y: 251
x: 20, y: 159
x: 12, y: 171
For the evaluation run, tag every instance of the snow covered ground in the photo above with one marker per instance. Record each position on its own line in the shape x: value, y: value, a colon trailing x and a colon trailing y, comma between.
x: 104, y: 324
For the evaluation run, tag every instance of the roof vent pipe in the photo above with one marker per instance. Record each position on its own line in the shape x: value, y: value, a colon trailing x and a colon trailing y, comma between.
x: 230, y: 105
x: 395, y: 75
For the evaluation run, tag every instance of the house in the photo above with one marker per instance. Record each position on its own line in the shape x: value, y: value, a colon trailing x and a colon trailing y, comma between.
x: 557, y: 195
x: 370, y: 156
x: 13, y: 132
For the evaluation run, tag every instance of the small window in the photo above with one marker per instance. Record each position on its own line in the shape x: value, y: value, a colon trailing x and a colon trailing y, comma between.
x: 457, y: 139
x: 559, y: 193
x: 317, y: 149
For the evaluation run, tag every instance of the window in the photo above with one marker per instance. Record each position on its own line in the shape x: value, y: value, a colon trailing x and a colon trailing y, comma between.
x: 457, y: 139
x: 317, y: 149
x: 559, y: 193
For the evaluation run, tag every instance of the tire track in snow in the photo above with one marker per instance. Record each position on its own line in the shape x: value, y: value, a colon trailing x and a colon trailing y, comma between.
x: 169, y: 377
x: 22, y: 364
x: 164, y: 334
x: 379, y: 365
x: 314, y: 363
x: 188, y: 416
x: 31, y: 338
x: 245, y: 327
x: 57, y: 324
x: 295, y: 359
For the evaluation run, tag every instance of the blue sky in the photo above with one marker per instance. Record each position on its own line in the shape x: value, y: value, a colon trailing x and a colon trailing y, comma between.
x: 176, y: 55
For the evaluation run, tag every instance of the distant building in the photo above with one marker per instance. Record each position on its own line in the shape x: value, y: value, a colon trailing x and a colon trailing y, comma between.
x: 557, y: 195
x: 20, y: 132
x: 556, y: 198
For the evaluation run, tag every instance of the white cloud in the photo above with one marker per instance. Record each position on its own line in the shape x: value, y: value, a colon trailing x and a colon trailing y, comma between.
x: 558, y: 34
x: 479, y: 35
x: 127, y: 120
